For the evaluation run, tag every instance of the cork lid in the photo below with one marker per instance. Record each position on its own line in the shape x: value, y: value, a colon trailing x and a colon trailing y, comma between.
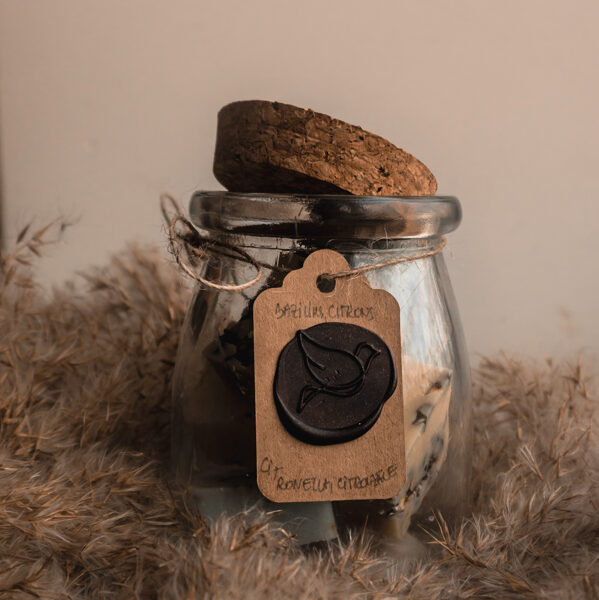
x: 273, y: 147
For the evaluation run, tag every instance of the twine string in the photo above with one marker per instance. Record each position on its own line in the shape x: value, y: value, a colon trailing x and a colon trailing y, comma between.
x: 189, y: 248
x: 386, y: 263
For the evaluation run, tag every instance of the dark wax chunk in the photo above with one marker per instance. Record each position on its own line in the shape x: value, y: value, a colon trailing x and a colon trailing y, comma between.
x: 331, y: 382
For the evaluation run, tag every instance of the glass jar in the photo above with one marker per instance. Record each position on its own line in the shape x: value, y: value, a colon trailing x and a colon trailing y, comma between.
x: 213, y: 427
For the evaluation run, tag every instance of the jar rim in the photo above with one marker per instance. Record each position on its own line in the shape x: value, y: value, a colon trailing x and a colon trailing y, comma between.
x: 326, y: 215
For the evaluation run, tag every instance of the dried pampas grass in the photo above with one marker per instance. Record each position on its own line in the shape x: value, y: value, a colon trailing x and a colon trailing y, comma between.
x: 87, y: 511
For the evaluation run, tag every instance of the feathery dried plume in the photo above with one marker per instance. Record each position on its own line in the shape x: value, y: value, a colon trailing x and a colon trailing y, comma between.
x: 87, y: 509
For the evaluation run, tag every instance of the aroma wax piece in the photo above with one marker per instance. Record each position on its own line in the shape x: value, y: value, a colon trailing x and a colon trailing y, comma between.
x: 274, y: 147
x: 218, y: 431
x: 427, y: 394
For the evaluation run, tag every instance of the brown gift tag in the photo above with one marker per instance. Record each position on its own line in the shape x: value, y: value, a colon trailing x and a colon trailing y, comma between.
x: 329, y: 409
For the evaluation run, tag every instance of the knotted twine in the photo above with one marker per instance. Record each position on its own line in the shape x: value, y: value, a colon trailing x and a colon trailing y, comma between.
x: 186, y: 241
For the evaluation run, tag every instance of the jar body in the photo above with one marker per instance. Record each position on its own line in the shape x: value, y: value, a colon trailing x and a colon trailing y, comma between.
x: 213, y: 427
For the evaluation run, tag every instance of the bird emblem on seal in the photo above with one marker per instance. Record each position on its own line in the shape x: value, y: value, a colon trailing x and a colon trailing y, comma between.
x: 331, y: 382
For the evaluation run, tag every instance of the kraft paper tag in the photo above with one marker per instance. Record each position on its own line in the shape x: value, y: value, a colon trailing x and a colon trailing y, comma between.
x: 329, y: 409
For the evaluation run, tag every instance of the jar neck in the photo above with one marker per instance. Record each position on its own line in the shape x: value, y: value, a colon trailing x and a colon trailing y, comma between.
x: 344, y: 246
x: 295, y: 222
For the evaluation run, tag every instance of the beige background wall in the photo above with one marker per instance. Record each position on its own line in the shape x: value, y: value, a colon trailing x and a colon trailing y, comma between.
x: 106, y: 103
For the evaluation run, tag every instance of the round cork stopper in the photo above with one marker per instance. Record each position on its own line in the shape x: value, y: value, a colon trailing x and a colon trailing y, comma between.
x: 273, y: 147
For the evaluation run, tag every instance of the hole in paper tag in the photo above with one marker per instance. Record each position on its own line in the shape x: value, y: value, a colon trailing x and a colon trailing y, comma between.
x: 329, y: 405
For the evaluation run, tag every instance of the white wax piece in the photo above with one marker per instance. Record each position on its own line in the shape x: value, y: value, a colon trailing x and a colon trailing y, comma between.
x: 427, y: 392
x: 426, y: 397
x: 307, y: 521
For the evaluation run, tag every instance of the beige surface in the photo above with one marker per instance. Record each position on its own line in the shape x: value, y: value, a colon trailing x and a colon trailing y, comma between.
x: 104, y: 104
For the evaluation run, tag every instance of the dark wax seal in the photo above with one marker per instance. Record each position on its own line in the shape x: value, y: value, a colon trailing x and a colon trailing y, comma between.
x: 331, y: 382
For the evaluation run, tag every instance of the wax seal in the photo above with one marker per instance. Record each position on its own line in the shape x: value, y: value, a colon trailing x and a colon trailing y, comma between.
x: 332, y: 381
